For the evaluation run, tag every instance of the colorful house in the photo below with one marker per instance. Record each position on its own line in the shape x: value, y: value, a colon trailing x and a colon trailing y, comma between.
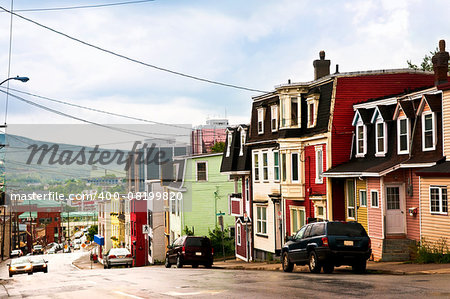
x: 236, y: 163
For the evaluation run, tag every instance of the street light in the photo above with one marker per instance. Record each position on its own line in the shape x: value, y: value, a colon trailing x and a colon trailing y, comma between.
x: 22, y: 79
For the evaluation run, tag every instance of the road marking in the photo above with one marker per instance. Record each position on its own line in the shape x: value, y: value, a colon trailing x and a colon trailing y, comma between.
x: 192, y: 293
x: 128, y: 295
x: 73, y: 265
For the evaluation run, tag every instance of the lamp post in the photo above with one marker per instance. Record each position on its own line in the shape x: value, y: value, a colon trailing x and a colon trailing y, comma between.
x: 22, y: 79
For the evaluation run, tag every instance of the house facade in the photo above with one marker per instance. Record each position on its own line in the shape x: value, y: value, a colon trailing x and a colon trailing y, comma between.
x: 236, y: 163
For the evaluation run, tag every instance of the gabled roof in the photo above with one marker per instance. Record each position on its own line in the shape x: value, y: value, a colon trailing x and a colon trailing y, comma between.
x: 406, y: 106
x: 235, y: 162
x: 385, y: 111
x: 362, y: 114
x: 439, y: 170
x: 434, y: 101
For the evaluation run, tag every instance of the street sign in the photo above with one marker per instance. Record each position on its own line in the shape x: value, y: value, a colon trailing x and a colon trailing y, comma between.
x: 220, y: 214
x: 146, y: 229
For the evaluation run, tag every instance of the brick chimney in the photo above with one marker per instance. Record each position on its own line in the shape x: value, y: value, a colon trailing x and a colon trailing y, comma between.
x: 440, y: 64
x: 321, y: 66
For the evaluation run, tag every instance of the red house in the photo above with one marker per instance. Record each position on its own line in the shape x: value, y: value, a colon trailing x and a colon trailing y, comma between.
x: 139, y: 243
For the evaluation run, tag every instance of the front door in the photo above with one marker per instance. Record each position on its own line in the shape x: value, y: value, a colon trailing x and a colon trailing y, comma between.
x: 395, y: 211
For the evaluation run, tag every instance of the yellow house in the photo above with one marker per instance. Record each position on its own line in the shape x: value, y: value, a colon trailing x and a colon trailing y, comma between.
x: 356, y: 201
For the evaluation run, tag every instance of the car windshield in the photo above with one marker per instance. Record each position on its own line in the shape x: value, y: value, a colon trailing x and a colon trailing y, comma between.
x: 198, y: 242
x: 349, y: 229
x: 119, y: 251
x: 37, y: 247
x: 22, y: 260
x: 36, y: 260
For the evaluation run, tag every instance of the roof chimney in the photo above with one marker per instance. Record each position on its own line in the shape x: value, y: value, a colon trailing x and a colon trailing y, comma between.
x: 440, y: 64
x: 321, y: 66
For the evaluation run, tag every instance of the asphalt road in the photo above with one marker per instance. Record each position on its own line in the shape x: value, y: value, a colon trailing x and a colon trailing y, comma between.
x: 65, y: 281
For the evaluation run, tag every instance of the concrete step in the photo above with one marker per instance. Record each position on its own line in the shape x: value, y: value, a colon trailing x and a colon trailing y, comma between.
x: 395, y: 257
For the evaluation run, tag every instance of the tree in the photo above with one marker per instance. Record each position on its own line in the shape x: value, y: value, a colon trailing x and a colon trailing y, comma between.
x: 188, y: 232
x: 426, y: 65
x: 93, y: 230
x: 218, y: 147
x: 217, y: 237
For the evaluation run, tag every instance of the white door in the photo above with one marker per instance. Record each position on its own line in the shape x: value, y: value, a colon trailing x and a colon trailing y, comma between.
x: 395, y: 214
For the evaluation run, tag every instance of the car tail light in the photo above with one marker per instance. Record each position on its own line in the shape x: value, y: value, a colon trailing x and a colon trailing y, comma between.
x: 212, y: 250
x: 370, y: 244
x: 112, y: 256
x: 183, y: 250
x: 129, y: 255
x: 325, y: 241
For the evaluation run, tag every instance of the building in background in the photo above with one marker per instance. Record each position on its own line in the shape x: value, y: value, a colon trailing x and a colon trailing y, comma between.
x: 205, y: 136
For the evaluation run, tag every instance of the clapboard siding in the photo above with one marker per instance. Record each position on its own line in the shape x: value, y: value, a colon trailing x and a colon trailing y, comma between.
x: 375, y: 219
x: 362, y: 210
x: 434, y: 227
x: 446, y: 122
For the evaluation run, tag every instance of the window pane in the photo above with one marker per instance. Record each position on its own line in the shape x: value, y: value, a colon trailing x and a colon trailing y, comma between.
x: 374, y: 196
x: 403, y: 143
x: 363, y: 197
x: 276, y: 167
x: 294, y: 111
x: 393, y: 198
x: 444, y: 200
x: 434, y: 199
x: 428, y: 139
x: 428, y: 122
x: 283, y: 166
x: 311, y: 114
x: 403, y: 128
x: 294, y: 164
x: 294, y: 220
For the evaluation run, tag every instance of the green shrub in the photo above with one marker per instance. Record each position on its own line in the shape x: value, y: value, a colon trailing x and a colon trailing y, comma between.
x: 216, y: 237
x: 432, y: 252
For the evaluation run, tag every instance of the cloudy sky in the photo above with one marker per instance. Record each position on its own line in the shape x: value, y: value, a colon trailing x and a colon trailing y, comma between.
x: 254, y: 44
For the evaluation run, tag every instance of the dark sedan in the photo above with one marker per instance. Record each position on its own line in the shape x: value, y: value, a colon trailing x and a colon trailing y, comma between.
x: 39, y: 264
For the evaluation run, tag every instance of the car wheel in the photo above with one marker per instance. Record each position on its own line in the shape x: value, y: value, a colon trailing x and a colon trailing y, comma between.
x: 287, y: 265
x: 167, y: 263
x: 195, y: 266
x: 105, y: 266
x: 179, y: 262
x: 314, y: 264
x: 360, y: 266
x: 30, y: 273
x: 328, y: 268
x: 10, y: 275
x: 46, y: 270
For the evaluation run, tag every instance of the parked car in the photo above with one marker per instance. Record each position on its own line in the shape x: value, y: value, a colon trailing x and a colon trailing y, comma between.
x: 118, y: 257
x: 19, y: 266
x: 38, y: 249
x: 39, y: 264
x: 52, y: 250
x: 16, y: 253
x: 189, y: 250
x: 328, y: 244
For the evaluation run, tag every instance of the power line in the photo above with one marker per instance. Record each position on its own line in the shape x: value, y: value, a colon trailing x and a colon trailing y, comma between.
x: 135, y: 60
x: 82, y: 6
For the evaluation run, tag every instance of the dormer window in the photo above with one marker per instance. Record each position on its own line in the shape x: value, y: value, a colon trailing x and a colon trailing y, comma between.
x: 403, y: 135
x: 295, y: 112
x: 290, y: 112
x: 381, y: 139
x: 229, y: 140
x: 360, y: 140
x: 428, y: 131
x: 312, y: 104
x: 241, y: 150
x: 274, y: 117
x: 261, y: 121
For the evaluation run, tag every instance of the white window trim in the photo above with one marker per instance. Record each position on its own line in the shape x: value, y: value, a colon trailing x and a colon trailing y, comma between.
x: 378, y: 199
x: 254, y: 168
x: 379, y: 153
x: 400, y: 152
x: 347, y: 199
x: 242, y: 142
x: 298, y: 168
x: 196, y: 170
x: 299, y: 110
x: 315, y: 102
x: 279, y: 166
x: 319, y: 149
x: 360, y: 202
x: 262, y: 221
x: 229, y: 140
x: 274, y: 116
x: 238, y: 234
x: 263, y: 167
x: 440, y: 200
x: 433, y: 130
x: 298, y: 209
x: 358, y: 154
x: 284, y: 112
x: 261, y: 119
x: 316, y: 211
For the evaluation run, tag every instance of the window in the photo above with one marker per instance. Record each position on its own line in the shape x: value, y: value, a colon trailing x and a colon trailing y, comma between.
x: 276, y: 166
x: 283, y: 167
x: 202, y: 174
x: 363, y: 198
x: 350, y: 199
x: 438, y: 200
x: 319, y: 165
x: 374, y: 197
x: 320, y: 212
x: 284, y: 112
x: 261, y: 220
x: 381, y: 140
x: 312, y: 104
x: 274, y: 117
x: 173, y: 206
x: 265, y: 167
x: 256, y: 166
x: 360, y: 140
x: 294, y: 166
x: 261, y: 121
x: 428, y: 135
x: 403, y: 135
x: 241, y: 151
x: 238, y: 234
x: 393, y: 198
x: 295, y: 112
x: 229, y: 140
x: 297, y: 219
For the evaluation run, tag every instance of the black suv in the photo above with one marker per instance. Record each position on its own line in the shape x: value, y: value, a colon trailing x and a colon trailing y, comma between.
x: 328, y: 244
x: 189, y: 250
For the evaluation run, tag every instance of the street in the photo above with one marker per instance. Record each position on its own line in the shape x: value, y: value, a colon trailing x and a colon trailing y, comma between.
x: 66, y: 281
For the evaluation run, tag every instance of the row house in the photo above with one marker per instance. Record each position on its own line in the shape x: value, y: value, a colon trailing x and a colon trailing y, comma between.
x: 236, y: 163
x: 396, y: 139
x: 299, y: 131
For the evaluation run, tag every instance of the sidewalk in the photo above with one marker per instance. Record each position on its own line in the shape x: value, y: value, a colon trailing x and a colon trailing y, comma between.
x: 84, y: 263
x: 372, y: 267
